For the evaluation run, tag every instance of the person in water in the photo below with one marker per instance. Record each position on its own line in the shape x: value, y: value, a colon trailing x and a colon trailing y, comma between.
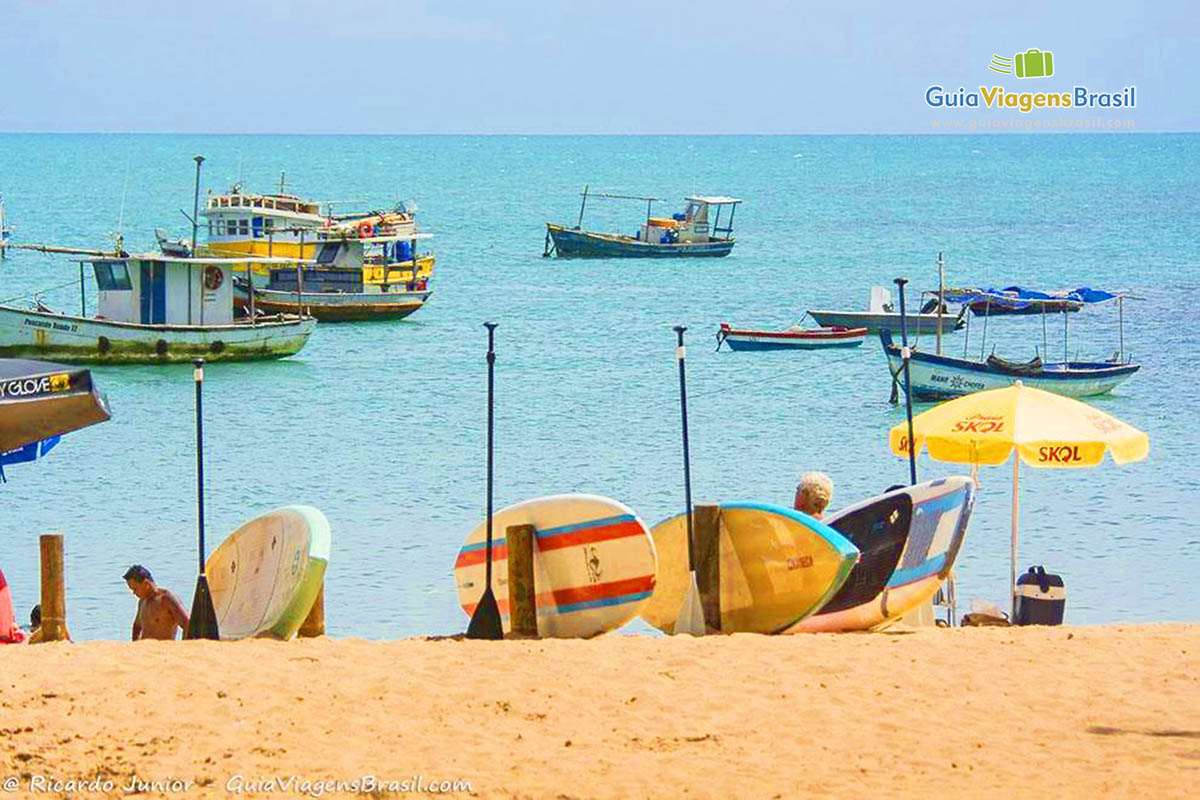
x: 813, y: 494
x: 159, y: 611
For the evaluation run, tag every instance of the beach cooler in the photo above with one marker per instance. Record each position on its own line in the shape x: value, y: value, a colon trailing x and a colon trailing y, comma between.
x: 1041, y: 598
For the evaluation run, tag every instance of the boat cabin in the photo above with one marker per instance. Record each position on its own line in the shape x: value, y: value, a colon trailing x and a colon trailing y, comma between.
x: 700, y: 221
x: 236, y: 217
x: 156, y: 289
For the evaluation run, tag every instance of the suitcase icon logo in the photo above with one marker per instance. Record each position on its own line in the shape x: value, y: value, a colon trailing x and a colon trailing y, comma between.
x: 1033, y: 63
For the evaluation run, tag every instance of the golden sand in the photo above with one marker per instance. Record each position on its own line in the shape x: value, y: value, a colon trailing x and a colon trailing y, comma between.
x: 1087, y: 712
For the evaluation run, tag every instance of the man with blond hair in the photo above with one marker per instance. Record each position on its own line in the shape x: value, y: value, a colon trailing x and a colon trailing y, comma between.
x: 813, y: 494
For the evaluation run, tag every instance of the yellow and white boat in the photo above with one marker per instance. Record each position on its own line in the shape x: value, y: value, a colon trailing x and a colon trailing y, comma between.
x: 286, y: 226
x: 358, y: 266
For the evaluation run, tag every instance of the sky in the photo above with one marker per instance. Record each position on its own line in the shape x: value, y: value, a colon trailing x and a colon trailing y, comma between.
x: 571, y: 67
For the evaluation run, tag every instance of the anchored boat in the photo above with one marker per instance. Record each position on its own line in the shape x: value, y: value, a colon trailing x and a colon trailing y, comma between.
x: 936, y: 376
x: 363, y: 271
x: 151, y: 308
x: 375, y: 268
x: 882, y: 316
x: 696, y: 231
x: 794, y: 338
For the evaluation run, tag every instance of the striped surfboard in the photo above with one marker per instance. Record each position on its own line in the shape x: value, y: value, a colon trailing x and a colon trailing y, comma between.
x: 594, y: 563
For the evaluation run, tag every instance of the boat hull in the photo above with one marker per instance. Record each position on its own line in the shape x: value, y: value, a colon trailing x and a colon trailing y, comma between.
x: 936, y: 377
x: 819, y: 339
x: 875, y: 322
x: 335, y: 306
x: 570, y: 243
x: 82, y: 340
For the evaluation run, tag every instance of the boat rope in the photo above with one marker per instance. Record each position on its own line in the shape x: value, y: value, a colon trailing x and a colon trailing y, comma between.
x: 32, y: 295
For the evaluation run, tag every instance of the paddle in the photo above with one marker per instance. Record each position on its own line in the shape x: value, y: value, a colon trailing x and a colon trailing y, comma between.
x: 485, y: 622
x: 691, y: 614
x: 202, y: 624
x: 905, y: 353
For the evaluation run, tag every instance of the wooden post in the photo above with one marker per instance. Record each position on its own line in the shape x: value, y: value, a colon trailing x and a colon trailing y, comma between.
x: 314, y: 623
x: 522, y: 594
x: 707, y: 530
x: 54, y: 598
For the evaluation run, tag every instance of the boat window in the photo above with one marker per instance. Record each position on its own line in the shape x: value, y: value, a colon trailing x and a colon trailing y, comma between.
x: 328, y: 253
x: 244, y: 227
x: 112, y: 276
x: 268, y: 223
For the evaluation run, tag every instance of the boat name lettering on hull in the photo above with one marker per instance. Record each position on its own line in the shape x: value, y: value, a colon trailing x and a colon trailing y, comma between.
x: 52, y: 326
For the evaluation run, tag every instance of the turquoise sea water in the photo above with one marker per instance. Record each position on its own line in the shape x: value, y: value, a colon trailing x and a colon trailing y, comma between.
x: 381, y: 425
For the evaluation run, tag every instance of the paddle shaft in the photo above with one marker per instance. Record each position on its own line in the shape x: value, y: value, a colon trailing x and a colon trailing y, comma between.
x: 198, y: 377
x: 912, y: 448
x: 680, y: 354
x: 491, y: 362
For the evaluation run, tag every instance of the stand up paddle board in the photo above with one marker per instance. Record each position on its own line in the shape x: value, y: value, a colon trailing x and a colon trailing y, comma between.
x: 594, y: 563
x: 266, y: 575
x: 940, y: 511
x: 777, y: 566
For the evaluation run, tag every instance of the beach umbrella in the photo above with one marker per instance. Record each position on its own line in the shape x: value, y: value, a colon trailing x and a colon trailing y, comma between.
x: 40, y: 400
x: 1046, y: 430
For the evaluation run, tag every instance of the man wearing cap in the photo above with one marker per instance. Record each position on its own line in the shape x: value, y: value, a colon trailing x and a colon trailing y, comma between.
x: 159, y: 611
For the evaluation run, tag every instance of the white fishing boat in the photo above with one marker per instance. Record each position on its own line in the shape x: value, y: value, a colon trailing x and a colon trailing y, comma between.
x: 882, y: 315
x: 151, y: 308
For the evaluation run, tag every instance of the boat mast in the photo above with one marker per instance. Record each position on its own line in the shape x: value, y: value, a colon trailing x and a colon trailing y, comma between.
x: 582, y: 204
x: 1120, y: 328
x: 941, y: 265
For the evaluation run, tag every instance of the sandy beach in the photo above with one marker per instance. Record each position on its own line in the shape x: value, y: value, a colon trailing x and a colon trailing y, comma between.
x: 1110, y: 711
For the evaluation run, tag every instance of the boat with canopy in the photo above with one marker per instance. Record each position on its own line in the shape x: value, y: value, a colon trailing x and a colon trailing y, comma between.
x: 937, y: 376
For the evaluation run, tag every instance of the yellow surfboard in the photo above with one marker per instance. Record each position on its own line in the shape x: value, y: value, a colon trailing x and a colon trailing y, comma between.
x: 777, y: 566
x: 266, y: 575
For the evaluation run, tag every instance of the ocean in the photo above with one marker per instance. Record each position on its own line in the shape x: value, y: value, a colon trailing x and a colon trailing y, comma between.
x: 382, y: 425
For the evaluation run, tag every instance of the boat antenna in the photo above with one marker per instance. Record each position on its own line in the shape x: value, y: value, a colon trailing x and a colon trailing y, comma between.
x: 196, y: 204
x: 282, y: 180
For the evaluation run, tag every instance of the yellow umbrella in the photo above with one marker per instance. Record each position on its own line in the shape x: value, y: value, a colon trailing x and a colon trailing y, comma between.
x: 1047, y: 430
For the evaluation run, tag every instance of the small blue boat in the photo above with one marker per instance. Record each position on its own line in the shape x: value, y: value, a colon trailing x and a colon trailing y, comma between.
x: 697, y: 231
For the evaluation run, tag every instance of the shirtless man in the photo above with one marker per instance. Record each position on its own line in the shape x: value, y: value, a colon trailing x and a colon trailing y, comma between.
x: 159, y: 611
x: 813, y: 494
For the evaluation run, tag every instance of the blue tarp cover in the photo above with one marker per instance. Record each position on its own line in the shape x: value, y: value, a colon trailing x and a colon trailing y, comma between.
x: 1021, y: 297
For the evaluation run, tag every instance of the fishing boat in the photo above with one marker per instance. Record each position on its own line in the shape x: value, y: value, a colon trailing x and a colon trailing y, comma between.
x: 151, y: 308
x: 935, y: 376
x: 794, y: 338
x: 359, y: 272
x: 696, y: 231
x: 881, y: 315
x: 284, y: 225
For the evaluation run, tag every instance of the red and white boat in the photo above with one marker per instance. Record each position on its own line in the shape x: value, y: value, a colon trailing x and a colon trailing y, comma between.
x: 794, y: 338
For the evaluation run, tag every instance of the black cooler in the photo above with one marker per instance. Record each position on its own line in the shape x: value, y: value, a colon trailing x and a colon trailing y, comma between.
x: 1041, y: 598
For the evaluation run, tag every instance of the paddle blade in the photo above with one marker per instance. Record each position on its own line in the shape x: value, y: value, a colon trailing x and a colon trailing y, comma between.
x: 691, y: 614
x: 202, y: 624
x: 485, y: 622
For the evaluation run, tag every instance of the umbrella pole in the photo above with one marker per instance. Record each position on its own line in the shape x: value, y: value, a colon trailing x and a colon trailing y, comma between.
x: 1012, y: 571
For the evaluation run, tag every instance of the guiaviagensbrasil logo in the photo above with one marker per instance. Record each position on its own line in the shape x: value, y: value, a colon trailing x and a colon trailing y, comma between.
x: 1033, y: 63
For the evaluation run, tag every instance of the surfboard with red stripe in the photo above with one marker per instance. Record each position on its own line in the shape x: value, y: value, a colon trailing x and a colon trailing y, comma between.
x: 594, y: 563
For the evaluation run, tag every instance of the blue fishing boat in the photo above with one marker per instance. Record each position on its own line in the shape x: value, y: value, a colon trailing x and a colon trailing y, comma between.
x: 696, y: 231
x: 937, y: 376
